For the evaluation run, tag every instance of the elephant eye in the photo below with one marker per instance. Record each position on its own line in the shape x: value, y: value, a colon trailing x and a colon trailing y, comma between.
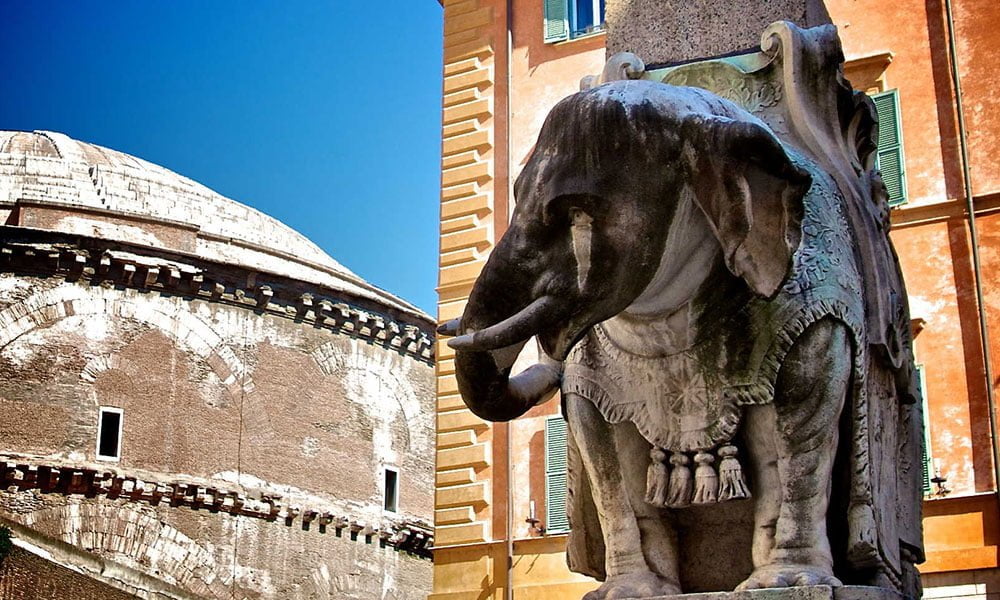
x: 579, y: 217
x: 569, y: 209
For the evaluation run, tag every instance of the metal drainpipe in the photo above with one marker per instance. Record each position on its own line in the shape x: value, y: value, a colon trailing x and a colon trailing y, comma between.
x: 976, y: 265
x: 509, y: 588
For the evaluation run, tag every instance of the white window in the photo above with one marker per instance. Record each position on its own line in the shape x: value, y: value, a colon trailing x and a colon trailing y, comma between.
x: 391, y: 489
x: 586, y: 16
x: 568, y: 19
x: 109, y: 433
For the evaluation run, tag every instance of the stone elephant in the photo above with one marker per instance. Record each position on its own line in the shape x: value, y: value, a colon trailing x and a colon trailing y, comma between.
x: 697, y: 288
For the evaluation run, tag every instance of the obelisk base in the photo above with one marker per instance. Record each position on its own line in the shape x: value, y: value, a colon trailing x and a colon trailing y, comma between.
x: 810, y: 592
x: 664, y: 31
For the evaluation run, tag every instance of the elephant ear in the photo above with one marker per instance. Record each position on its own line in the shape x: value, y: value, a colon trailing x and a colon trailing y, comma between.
x: 752, y: 194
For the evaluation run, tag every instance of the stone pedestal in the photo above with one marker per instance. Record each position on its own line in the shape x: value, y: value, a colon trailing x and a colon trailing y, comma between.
x: 813, y: 592
x: 666, y: 31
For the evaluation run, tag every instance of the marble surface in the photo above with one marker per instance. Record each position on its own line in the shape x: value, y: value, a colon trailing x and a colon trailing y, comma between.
x: 813, y: 592
x: 720, y: 330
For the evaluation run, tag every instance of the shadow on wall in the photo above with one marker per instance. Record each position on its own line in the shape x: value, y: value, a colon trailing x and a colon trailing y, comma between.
x: 979, y: 421
x: 944, y: 92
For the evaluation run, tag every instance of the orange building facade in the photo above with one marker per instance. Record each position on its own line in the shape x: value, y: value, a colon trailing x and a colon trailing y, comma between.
x: 501, y: 78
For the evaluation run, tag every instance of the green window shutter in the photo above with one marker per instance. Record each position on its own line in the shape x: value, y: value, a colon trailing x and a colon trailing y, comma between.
x: 556, y: 20
x: 926, y: 454
x: 889, y: 159
x: 556, y: 520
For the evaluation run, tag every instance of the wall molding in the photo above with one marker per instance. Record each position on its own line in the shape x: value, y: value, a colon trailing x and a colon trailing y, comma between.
x: 55, y: 477
x: 115, y: 265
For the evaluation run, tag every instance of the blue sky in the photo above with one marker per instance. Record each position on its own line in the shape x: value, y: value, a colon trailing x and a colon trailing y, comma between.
x: 325, y: 115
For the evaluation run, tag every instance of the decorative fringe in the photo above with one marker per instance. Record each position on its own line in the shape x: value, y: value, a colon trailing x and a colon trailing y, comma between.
x: 731, y: 483
x: 681, y: 487
x: 706, y: 482
x: 656, y: 478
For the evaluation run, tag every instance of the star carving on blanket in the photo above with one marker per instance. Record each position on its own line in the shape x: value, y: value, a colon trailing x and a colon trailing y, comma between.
x: 686, y: 395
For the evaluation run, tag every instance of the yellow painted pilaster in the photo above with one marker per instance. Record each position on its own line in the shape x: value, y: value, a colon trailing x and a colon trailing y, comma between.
x: 464, y: 559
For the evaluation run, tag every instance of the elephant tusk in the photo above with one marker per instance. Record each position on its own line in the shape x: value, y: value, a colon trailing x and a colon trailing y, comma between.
x: 511, y: 330
x: 450, y: 328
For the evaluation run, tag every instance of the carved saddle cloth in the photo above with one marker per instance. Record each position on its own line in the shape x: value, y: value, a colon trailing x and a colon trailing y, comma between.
x: 690, y: 401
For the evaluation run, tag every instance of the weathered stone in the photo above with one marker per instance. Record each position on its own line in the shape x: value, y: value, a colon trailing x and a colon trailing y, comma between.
x: 710, y: 276
x: 262, y: 384
x: 814, y: 592
x: 667, y: 31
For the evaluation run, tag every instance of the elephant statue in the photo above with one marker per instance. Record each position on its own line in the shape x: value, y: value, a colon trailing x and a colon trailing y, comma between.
x: 721, y: 309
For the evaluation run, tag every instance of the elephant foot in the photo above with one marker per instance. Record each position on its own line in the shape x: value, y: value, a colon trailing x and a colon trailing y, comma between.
x: 788, y: 575
x: 642, y: 584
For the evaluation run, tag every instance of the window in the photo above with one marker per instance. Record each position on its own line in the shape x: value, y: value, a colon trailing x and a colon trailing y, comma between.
x: 391, y: 489
x: 926, y: 456
x: 109, y: 433
x: 556, y: 520
x: 568, y: 19
x: 889, y: 159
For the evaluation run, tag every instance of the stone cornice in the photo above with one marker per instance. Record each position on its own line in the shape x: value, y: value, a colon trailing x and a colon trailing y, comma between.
x: 110, y: 263
x: 56, y: 477
x: 922, y: 214
x: 880, y: 60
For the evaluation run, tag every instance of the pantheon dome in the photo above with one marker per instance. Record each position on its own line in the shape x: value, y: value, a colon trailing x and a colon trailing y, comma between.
x: 197, y: 401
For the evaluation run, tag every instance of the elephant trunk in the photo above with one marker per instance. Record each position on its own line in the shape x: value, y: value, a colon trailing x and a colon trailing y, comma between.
x: 490, y: 341
x: 489, y: 391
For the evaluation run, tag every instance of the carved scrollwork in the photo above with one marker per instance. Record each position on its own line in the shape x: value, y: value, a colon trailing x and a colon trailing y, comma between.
x: 621, y: 66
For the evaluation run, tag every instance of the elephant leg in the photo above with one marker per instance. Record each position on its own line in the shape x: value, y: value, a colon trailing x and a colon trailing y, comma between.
x: 761, y: 433
x: 794, y: 443
x: 656, y: 528
x: 628, y: 575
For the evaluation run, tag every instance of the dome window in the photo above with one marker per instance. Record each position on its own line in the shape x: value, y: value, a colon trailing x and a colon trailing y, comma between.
x: 109, y: 433
x: 391, y: 489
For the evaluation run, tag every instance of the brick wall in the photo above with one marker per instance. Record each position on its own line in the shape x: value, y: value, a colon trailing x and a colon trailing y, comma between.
x: 216, y: 396
x: 24, y: 576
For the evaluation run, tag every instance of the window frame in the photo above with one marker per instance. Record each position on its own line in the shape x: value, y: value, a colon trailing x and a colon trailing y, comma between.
x: 101, y: 411
x: 928, y: 455
x: 577, y: 32
x: 559, y: 20
x: 897, y: 147
x: 395, y: 489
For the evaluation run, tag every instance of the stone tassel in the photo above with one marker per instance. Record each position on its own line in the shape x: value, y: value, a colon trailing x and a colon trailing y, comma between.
x: 656, y: 478
x: 681, y: 487
x: 706, y: 482
x: 862, y: 534
x: 732, y: 486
